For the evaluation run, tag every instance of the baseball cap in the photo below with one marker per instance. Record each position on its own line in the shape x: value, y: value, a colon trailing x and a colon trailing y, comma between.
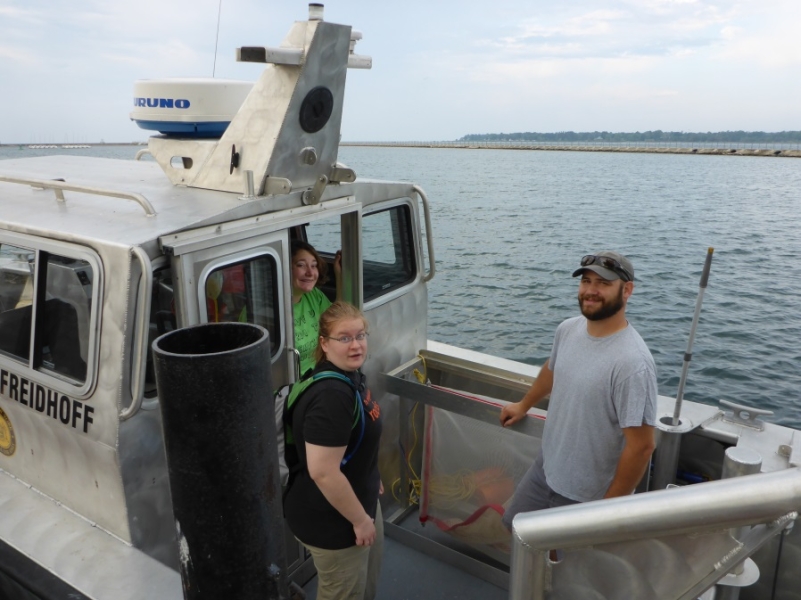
x: 608, y: 264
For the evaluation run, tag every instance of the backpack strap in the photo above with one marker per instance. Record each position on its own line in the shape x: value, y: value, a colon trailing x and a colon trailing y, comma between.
x: 361, y: 429
x: 358, y: 409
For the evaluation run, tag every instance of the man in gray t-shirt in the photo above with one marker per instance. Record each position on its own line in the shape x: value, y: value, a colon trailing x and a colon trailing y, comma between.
x: 599, y: 432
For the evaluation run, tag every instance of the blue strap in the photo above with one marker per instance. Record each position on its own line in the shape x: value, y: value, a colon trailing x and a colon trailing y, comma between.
x: 359, y: 416
x: 361, y: 430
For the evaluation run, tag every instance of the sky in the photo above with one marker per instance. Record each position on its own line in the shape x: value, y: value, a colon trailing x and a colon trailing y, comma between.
x: 441, y: 68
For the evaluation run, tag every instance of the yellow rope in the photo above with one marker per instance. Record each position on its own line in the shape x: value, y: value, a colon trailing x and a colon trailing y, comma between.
x: 446, y: 490
x: 421, y: 377
x: 415, y: 484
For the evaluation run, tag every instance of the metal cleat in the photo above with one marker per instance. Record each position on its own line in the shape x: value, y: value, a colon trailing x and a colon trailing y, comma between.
x: 745, y: 415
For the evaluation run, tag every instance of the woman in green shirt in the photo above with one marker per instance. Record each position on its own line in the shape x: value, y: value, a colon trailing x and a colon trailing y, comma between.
x: 309, y: 271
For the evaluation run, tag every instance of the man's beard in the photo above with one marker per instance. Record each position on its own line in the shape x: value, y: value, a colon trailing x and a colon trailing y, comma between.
x: 606, y: 309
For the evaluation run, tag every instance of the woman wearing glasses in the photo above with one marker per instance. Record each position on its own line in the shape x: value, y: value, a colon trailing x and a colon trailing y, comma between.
x: 309, y: 271
x: 331, y: 504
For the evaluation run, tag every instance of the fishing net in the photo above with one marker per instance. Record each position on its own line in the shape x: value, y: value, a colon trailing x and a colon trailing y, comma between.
x: 470, y: 471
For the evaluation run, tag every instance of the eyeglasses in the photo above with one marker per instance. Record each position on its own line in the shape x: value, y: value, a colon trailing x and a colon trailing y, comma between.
x: 607, y: 263
x: 346, y: 339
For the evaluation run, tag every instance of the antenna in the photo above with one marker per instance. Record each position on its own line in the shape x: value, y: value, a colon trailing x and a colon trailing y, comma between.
x: 216, y: 39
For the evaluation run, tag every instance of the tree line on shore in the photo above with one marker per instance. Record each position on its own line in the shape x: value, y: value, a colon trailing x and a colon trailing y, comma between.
x: 755, y: 137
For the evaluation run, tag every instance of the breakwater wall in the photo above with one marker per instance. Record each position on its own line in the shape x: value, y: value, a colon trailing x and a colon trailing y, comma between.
x: 706, y: 148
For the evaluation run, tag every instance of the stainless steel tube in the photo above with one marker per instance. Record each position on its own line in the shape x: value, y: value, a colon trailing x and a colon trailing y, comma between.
x: 704, y: 506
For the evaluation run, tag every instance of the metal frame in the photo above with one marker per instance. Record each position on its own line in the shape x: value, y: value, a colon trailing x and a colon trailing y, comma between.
x: 772, y: 499
x: 454, y: 401
x: 51, y: 379
x: 388, y: 205
x: 397, y: 382
x: 228, y: 259
x: 234, y: 231
x: 771, y: 502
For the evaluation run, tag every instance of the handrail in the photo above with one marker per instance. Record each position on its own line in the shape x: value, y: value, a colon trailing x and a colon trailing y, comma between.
x: 715, y: 505
x: 142, y: 152
x: 62, y: 186
x: 429, y: 238
x: 141, y: 331
x: 296, y: 361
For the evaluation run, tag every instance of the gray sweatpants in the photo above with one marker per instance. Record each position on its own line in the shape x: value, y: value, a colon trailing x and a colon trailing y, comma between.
x: 533, y: 493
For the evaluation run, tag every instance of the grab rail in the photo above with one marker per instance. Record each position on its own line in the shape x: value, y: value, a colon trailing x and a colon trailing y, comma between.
x: 141, y: 330
x: 763, y: 498
x: 62, y: 186
x: 429, y: 238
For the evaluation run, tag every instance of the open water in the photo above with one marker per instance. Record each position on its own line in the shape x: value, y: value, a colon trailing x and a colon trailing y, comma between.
x: 510, y: 226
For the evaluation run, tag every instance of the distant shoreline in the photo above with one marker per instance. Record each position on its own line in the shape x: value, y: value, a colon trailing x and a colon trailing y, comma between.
x: 702, y: 148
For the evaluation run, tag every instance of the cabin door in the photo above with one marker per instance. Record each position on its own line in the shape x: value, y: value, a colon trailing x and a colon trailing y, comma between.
x: 239, y: 281
x: 241, y: 271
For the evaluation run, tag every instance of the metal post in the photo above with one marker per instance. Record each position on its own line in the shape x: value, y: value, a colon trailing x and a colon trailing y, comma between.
x: 527, y: 571
x: 689, y: 353
x: 671, y: 429
x: 668, y: 447
x: 737, y: 462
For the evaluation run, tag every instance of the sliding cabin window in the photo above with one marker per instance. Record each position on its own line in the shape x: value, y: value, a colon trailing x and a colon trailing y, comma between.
x: 16, y: 300
x: 388, y: 260
x: 388, y: 251
x: 246, y: 292
x: 46, y: 310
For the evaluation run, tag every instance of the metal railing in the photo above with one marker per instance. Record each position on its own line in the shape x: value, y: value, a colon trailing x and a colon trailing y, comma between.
x: 770, y: 501
x: 141, y: 329
x: 59, y: 187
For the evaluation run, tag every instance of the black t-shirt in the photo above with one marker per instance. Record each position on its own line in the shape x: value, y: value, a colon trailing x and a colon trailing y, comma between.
x: 323, y: 416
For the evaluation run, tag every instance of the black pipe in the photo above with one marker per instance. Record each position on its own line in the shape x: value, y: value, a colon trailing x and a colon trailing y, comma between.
x: 215, y: 395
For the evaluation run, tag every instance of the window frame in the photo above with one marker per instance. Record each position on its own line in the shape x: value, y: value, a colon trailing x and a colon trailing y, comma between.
x: 240, y: 257
x: 401, y: 289
x: 27, y: 368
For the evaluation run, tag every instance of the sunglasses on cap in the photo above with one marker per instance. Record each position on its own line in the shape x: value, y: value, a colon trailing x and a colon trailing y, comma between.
x: 607, y: 263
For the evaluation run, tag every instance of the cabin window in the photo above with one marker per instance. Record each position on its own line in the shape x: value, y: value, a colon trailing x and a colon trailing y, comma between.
x: 388, y: 251
x: 246, y: 292
x: 47, y: 309
x: 67, y: 307
x: 16, y: 300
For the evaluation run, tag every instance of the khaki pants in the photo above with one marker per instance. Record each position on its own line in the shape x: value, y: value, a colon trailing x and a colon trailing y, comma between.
x: 350, y: 573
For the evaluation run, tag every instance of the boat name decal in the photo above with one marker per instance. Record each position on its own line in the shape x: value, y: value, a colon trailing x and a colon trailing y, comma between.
x: 162, y: 102
x: 49, y: 402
